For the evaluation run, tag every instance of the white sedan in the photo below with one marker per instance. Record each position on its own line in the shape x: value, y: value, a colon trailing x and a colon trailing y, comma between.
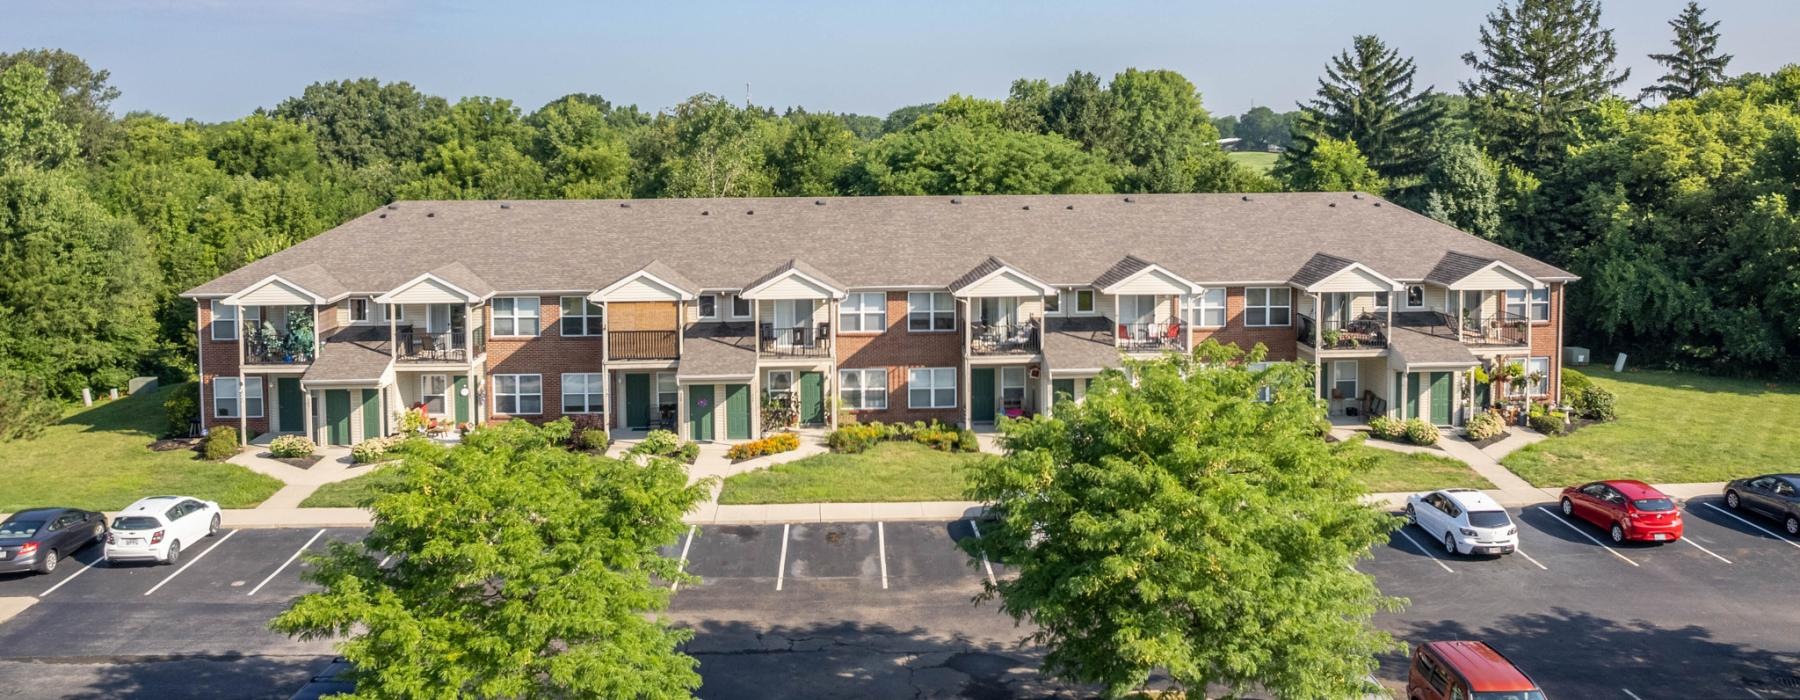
x: 158, y: 527
x: 1466, y: 521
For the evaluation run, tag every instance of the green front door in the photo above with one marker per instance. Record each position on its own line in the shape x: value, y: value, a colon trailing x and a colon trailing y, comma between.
x: 371, y: 409
x: 637, y: 401
x: 981, y: 394
x: 1062, y: 389
x: 1415, y: 387
x: 737, y: 411
x: 1441, y: 396
x: 812, y: 398
x: 700, y: 412
x: 292, y: 404
x: 1325, y: 380
x: 337, y: 416
x: 457, y: 384
x: 1481, y: 395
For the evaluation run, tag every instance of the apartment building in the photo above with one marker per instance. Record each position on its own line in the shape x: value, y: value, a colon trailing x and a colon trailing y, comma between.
x: 713, y: 317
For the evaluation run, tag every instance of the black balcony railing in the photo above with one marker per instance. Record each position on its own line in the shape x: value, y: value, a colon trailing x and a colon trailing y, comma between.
x: 642, y: 345
x: 1003, y: 338
x: 1364, y: 331
x: 1152, y: 337
x: 795, y: 341
x: 443, y: 346
x: 1504, y: 329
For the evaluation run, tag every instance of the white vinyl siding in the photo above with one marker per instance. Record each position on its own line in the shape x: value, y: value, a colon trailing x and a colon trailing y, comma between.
x: 933, y: 387
x: 516, y: 316
x: 225, y: 397
x: 863, y: 389
x: 863, y: 312
x: 583, y: 393
x: 1267, y: 306
x: 519, y: 394
x: 930, y: 312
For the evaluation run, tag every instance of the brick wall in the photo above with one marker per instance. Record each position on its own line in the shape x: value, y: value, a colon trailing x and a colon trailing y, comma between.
x: 1545, y: 343
x: 548, y: 354
x: 219, y: 358
x: 1279, y: 339
x: 897, y: 351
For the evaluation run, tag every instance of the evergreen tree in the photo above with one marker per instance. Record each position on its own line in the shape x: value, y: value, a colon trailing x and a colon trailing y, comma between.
x: 1696, y: 63
x: 1367, y: 97
x: 1542, y: 62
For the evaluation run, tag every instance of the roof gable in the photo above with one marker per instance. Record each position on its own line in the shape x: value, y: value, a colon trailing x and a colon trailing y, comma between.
x: 1329, y: 273
x: 428, y: 289
x: 274, y: 290
x: 995, y: 278
x: 794, y: 280
x: 653, y: 282
x: 1135, y: 275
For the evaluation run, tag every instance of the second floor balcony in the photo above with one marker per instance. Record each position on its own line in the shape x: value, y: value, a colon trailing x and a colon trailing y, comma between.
x: 421, y: 345
x: 643, y: 345
x: 289, y: 343
x: 1368, y: 330
x: 806, y: 341
x: 1003, y: 338
x: 1491, y: 329
x: 1152, y: 337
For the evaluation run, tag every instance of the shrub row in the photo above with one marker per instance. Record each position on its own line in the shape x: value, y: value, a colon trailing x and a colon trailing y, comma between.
x: 662, y: 443
x: 374, y: 449
x: 292, y: 446
x: 1546, y: 421
x: 220, y: 444
x: 1485, y: 426
x: 857, y: 437
x: 773, y: 444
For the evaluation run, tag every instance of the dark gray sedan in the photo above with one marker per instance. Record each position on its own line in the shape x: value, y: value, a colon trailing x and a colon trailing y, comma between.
x: 1773, y: 495
x: 39, y: 538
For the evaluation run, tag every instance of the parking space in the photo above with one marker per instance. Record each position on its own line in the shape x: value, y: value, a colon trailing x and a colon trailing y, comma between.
x: 814, y: 557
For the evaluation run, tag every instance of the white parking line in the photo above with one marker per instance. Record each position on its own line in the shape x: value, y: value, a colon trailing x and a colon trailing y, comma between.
x: 881, y: 542
x: 1590, y: 538
x: 71, y: 577
x: 191, y: 562
x: 781, y: 572
x: 1691, y: 541
x: 984, y: 559
x: 1633, y: 695
x: 384, y: 560
x: 1529, y: 559
x: 689, y: 542
x: 1771, y: 533
x: 1753, y: 692
x: 284, y: 565
x: 1427, y: 552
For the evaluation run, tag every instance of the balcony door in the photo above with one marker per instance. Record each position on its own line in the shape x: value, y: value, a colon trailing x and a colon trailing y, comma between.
x: 1472, y: 309
x: 792, y: 314
x: 1337, y: 306
x: 1136, y: 313
x: 1000, y: 311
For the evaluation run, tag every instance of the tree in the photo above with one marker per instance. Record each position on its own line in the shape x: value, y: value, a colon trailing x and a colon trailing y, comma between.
x: 900, y: 119
x: 707, y: 147
x: 1333, y: 165
x: 812, y: 152
x: 1542, y: 62
x: 1026, y: 104
x: 1227, y: 126
x: 1261, y: 127
x: 1164, y: 134
x: 1367, y: 97
x: 364, y: 121
x: 1081, y: 109
x: 550, y: 596
x: 584, y: 155
x: 262, y: 147
x: 479, y: 152
x: 1696, y: 64
x: 1461, y: 188
x: 1175, y: 521
x: 31, y: 135
x: 85, y: 94
x: 955, y: 151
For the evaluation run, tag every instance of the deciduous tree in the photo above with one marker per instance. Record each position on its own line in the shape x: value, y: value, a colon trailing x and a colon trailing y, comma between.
x: 1333, y: 165
x: 31, y: 134
x: 364, y: 121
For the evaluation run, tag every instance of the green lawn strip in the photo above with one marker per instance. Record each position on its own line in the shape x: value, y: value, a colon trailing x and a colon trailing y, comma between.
x: 98, y: 458
x: 1673, y: 428
x: 888, y: 472
x: 1259, y: 161
x: 354, y: 492
x: 1412, y: 471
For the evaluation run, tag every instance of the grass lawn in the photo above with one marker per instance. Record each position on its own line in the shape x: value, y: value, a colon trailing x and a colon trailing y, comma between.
x: 98, y: 458
x: 354, y: 492
x: 1404, y: 471
x: 1260, y: 161
x: 1673, y: 428
x: 888, y: 472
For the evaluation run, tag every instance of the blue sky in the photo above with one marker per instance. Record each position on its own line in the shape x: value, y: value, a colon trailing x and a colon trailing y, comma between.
x: 220, y: 59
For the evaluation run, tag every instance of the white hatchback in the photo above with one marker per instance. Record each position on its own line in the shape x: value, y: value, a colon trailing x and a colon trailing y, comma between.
x: 1466, y: 521
x: 158, y: 527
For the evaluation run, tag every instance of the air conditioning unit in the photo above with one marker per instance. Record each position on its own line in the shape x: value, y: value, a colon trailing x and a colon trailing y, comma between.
x: 1575, y: 356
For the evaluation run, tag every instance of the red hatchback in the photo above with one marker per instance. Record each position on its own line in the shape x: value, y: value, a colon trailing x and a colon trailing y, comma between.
x: 1466, y: 671
x: 1629, y: 510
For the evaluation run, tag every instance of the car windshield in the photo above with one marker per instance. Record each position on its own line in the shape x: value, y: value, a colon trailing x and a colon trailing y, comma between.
x: 1654, y: 505
x: 1512, y: 695
x: 1489, y: 518
x: 20, y: 528
x: 135, y: 522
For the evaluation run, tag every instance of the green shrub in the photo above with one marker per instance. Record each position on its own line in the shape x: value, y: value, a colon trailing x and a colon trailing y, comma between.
x: 660, y: 443
x: 689, y: 452
x: 1387, y: 427
x: 1419, y: 432
x: 292, y: 446
x: 374, y: 449
x: 1484, y: 426
x: 773, y: 444
x: 856, y: 437
x: 25, y: 409
x: 936, y: 437
x: 1573, y: 381
x: 1548, y: 422
x: 180, y: 410
x: 1595, y: 403
x: 592, y: 439
x: 966, y: 441
x: 220, y: 444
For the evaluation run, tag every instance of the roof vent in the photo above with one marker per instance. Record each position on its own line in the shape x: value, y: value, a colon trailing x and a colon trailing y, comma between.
x: 748, y: 212
x: 430, y: 214
x: 1246, y: 198
x: 1378, y: 204
x: 624, y: 205
x: 956, y: 200
x: 1026, y: 207
x: 392, y: 207
x: 383, y: 216
x: 1332, y: 205
x: 504, y: 205
x: 704, y: 212
x: 1128, y: 200
x: 1070, y: 207
x: 1356, y: 195
x: 818, y: 202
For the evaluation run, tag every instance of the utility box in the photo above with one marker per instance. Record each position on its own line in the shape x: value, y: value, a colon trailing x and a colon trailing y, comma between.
x: 1575, y: 356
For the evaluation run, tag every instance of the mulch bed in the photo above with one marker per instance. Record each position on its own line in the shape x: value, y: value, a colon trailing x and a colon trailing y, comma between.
x: 300, y: 462
x: 1481, y: 444
x: 173, y: 444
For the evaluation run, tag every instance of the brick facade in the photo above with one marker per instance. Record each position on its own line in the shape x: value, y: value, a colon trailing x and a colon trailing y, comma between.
x: 549, y: 354
x: 898, y: 350
x: 1546, y: 340
x: 1280, y: 340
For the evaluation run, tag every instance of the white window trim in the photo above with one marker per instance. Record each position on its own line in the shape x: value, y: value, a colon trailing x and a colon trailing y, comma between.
x: 1337, y: 377
x: 700, y: 310
x: 1530, y: 389
x: 863, y: 314
x: 1199, y: 306
x: 864, y: 388
x: 930, y: 387
x: 586, y: 318
x: 1057, y: 299
x: 536, y: 314
x: 424, y: 391
x: 1093, y: 303
x: 1406, y: 297
x: 1268, y: 305
x: 593, y: 402
x: 749, y: 308
x: 261, y: 397
x: 1530, y: 303
x: 499, y: 393
x: 219, y: 310
x: 351, y: 306
x: 932, y: 312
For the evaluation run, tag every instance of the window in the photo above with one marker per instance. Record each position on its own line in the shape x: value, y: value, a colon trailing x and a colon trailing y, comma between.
x: 667, y: 394
x: 709, y: 306
x: 1209, y: 308
x: 225, y: 319
x: 1540, y: 368
x: 863, y: 312
x: 1343, y: 378
x: 863, y: 389
x: 1381, y: 300
x: 1267, y: 306
x: 740, y: 307
x: 583, y: 393
x: 1536, y: 309
x: 930, y: 311
x: 1264, y: 393
x: 1053, y: 304
x: 1415, y: 296
x: 779, y: 382
x: 579, y: 317
x: 359, y: 310
x: 1012, y: 391
x: 516, y: 316
x: 519, y: 394
x: 434, y: 390
x: 931, y: 388
x: 225, y: 397
x: 1084, y: 301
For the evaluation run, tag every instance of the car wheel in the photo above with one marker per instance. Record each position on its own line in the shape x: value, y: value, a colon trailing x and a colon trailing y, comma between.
x: 174, y: 554
x: 1450, y: 543
x: 1618, y: 533
x: 1731, y: 500
x: 1568, y: 508
x: 213, y: 527
x: 48, y: 563
x: 1793, y: 525
x: 1412, y: 518
x: 99, y: 533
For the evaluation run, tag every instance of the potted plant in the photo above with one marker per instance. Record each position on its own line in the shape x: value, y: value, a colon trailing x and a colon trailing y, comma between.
x: 1330, y: 337
x: 463, y: 428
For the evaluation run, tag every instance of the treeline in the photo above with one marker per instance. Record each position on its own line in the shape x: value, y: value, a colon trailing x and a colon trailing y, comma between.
x: 1677, y: 213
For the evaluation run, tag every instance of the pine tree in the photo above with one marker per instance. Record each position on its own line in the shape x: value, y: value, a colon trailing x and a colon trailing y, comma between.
x: 1542, y: 62
x: 1696, y: 63
x: 1366, y: 97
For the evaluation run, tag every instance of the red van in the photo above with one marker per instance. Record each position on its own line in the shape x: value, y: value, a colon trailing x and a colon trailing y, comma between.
x: 1466, y: 671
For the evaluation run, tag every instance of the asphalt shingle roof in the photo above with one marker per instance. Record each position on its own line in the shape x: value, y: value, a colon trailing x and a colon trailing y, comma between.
x: 351, y: 355
x: 1319, y: 267
x: 717, y: 350
x: 1080, y: 344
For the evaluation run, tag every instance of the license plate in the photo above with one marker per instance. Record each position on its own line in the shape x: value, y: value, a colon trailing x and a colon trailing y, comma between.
x: 1659, y: 537
x: 133, y: 540
x: 1493, y: 550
